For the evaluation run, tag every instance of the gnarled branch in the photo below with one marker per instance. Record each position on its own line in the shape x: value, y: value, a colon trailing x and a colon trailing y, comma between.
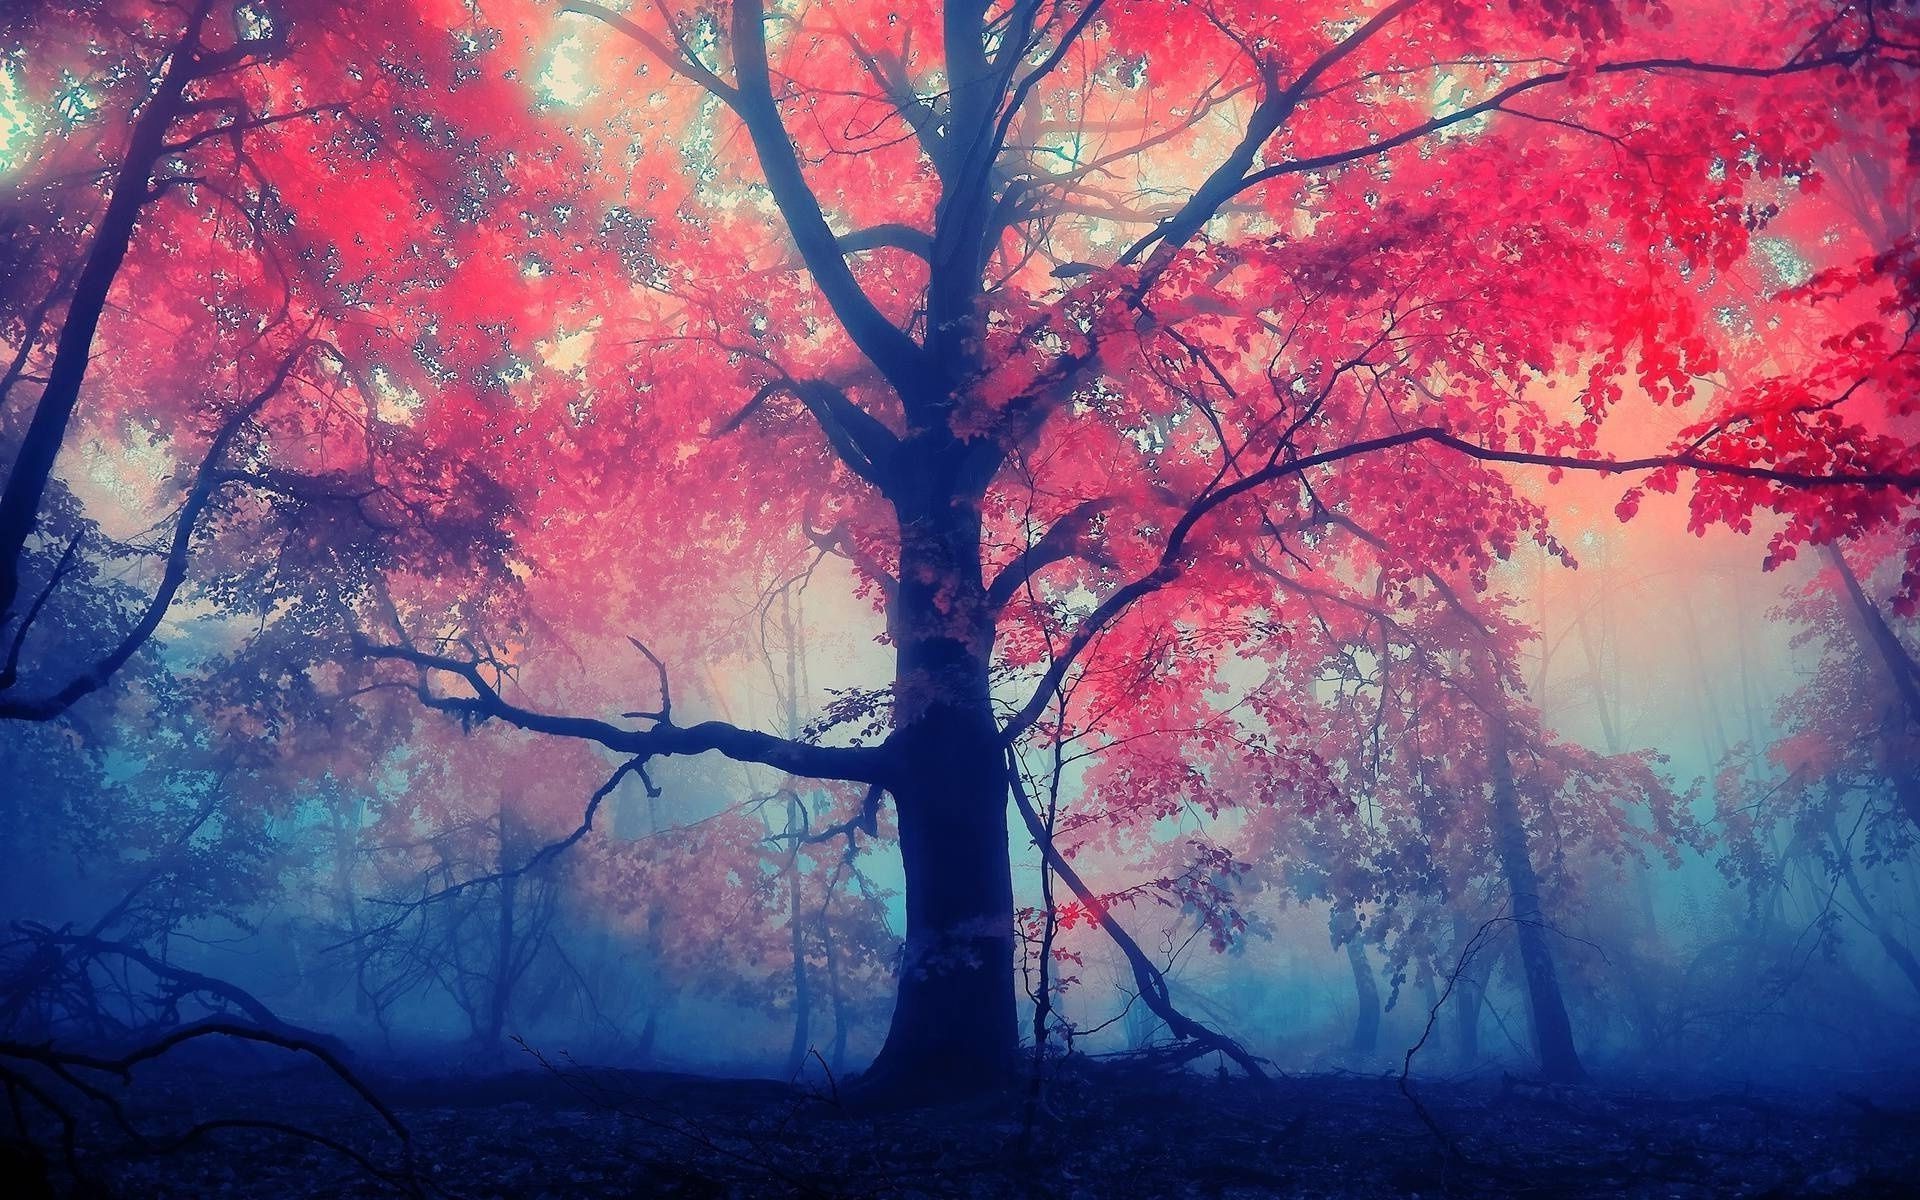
x: 663, y: 739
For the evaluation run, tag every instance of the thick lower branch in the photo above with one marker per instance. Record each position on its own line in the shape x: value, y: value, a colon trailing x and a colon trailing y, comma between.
x: 864, y: 764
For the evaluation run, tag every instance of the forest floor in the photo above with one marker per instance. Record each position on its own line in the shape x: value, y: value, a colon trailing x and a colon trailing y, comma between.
x: 562, y: 1131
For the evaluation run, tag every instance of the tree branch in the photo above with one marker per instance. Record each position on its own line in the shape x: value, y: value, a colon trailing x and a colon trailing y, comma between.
x: 897, y: 356
x: 865, y: 764
x: 1065, y: 538
x: 893, y: 234
x: 860, y: 439
x: 1151, y: 982
x: 680, y: 64
x: 1169, y: 567
x: 1321, y: 162
x: 208, y: 481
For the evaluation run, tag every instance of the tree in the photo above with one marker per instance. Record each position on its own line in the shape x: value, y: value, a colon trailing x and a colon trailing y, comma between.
x: 1025, y: 380
x: 1041, y: 324
x: 163, y: 300
x: 1835, y: 795
x: 1441, y: 804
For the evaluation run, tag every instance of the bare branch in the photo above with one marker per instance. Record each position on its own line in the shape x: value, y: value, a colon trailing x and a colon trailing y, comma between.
x: 679, y: 63
x: 867, y: 764
x: 665, y: 713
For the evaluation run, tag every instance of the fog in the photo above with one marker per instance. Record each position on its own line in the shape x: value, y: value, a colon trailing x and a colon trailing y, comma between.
x: 430, y: 909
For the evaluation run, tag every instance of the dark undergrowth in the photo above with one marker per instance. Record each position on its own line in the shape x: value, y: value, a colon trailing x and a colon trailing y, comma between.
x: 565, y: 1131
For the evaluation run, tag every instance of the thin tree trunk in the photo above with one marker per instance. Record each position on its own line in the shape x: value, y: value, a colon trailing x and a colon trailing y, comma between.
x: 796, y: 928
x: 1714, y: 729
x: 500, y: 995
x: 656, y: 922
x: 1594, y: 647
x: 1470, y: 993
x: 1895, y: 949
x: 1430, y: 993
x: 1552, y: 1030
x: 1366, y: 990
x: 1901, y: 726
x: 802, y: 998
x: 1154, y: 987
x: 32, y: 468
x: 1902, y: 673
x: 1043, y: 990
x: 837, y: 1057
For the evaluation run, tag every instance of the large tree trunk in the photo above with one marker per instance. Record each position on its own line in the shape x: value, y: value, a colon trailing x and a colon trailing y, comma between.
x: 953, y: 1017
x: 953, y: 1028
x: 1552, y: 1031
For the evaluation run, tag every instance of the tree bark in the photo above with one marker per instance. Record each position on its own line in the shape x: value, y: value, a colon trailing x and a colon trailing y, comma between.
x: 954, y: 1025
